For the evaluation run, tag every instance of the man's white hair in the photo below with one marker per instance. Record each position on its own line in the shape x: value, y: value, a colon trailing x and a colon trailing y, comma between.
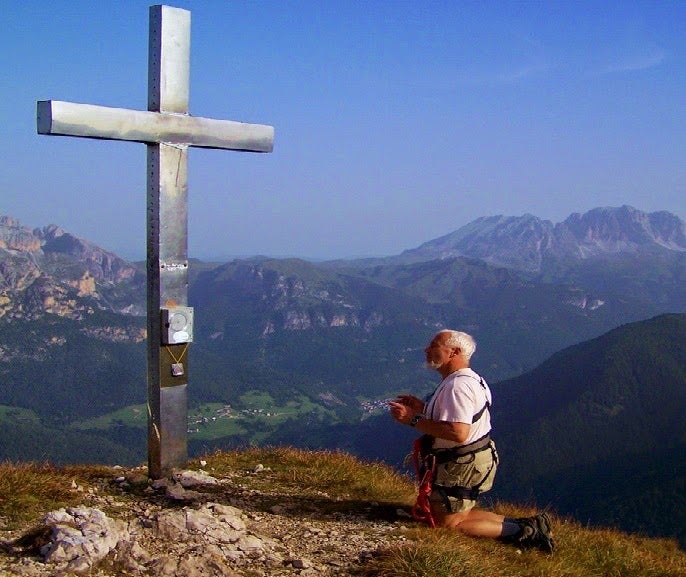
x: 459, y: 340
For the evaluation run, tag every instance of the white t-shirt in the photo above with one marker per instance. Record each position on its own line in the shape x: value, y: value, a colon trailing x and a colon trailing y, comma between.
x: 459, y: 397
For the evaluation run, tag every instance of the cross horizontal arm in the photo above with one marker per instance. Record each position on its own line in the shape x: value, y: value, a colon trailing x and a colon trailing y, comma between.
x: 72, y: 119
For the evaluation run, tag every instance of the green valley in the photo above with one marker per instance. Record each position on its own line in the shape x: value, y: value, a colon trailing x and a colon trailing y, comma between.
x: 255, y: 415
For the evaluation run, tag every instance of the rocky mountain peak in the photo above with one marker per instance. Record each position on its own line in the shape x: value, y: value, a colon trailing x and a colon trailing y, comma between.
x: 51, y: 231
x: 527, y: 242
x: 624, y: 229
x: 49, y: 270
x: 17, y: 238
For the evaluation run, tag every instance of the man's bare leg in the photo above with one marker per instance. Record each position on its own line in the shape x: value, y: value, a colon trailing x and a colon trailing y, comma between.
x: 476, y: 523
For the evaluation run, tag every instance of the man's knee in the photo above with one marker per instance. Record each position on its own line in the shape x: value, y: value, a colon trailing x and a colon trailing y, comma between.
x: 449, y: 520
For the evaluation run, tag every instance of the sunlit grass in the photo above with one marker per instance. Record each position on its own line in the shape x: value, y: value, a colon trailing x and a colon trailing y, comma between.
x: 338, y: 473
x: 580, y: 552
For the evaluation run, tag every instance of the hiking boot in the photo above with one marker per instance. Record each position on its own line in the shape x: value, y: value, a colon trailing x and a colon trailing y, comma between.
x: 545, y: 542
x: 534, y: 532
x: 528, y: 533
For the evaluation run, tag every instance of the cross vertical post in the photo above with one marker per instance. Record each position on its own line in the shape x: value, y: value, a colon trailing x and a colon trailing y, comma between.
x: 167, y: 239
x: 168, y: 131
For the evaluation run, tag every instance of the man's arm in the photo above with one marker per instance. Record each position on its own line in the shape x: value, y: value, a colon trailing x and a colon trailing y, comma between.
x: 456, y: 432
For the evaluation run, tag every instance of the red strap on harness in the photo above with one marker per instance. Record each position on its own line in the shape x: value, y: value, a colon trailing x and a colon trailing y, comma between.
x: 424, y: 468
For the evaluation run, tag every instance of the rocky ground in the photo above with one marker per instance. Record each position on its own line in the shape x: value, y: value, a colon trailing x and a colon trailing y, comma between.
x: 194, y: 524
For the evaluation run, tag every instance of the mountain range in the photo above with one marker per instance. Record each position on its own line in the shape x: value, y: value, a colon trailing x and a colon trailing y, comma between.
x: 330, y: 341
x: 528, y: 243
x: 341, y: 330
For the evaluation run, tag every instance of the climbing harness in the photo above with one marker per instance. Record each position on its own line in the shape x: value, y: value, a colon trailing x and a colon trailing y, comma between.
x: 426, y: 459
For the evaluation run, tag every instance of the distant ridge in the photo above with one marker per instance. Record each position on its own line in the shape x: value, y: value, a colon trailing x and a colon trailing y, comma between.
x: 531, y: 244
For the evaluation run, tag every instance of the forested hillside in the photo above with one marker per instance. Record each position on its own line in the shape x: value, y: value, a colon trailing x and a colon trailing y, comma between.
x: 598, y: 430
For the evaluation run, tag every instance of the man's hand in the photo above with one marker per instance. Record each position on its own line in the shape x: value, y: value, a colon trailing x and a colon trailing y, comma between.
x: 401, y: 412
x: 417, y: 405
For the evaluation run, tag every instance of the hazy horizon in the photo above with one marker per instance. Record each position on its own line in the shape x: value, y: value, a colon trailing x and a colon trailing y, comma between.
x: 211, y: 255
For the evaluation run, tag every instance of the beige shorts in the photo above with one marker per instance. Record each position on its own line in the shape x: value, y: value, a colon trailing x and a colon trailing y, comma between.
x: 474, y: 470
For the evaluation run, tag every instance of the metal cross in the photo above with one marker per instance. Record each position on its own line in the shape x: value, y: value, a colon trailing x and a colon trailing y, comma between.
x: 168, y: 130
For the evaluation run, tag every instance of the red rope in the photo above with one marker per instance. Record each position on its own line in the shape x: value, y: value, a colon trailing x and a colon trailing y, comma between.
x: 421, y: 509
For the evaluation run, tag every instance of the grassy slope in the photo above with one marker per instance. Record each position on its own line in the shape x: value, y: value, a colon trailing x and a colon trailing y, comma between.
x: 339, y: 480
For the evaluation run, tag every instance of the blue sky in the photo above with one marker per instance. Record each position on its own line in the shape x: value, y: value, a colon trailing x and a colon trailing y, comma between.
x: 396, y: 122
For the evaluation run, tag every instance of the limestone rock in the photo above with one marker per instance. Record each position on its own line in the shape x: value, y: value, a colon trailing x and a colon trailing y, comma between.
x: 81, y: 537
x: 194, y: 478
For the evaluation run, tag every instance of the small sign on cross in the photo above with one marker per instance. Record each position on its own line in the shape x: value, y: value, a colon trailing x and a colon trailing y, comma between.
x: 168, y: 131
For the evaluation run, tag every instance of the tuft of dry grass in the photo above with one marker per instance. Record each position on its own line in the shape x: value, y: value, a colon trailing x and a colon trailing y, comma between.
x: 580, y: 552
x: 29, y: 489
x: 335, y: 472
